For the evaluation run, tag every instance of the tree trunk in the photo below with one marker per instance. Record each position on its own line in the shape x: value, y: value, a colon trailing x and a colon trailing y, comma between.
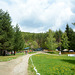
x: 14, y: 52
x: 1, y: 52
x: 4, y: 53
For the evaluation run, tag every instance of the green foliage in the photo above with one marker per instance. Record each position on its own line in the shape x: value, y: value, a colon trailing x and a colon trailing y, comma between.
x: 72, y: 42
x: 10, y: 38
x: 32, y: 44
x: 67, y: 30
x: 6, y: 31
x: 65, y: 41
x: 40, y: 38
x: 51, y: 41
x: 58, y: 35
x: 70, y: 35
x: 18, y: 39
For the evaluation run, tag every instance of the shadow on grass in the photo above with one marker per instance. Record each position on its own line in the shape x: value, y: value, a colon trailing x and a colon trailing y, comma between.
x: 69, y: 61
x: 53, y: 52
x: 72, y: 62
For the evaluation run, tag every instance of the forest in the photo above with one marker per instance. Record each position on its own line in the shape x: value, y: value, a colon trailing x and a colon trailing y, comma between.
x: 11, y: 38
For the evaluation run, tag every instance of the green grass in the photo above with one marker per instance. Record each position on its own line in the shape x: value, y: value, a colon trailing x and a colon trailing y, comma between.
x: 10, y: 57
x: 30, y: 68
x: 20, y: 53
x: 53, y: 64
x: 31, y: 52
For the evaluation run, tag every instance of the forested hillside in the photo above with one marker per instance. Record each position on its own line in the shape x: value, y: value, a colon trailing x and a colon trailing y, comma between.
x: 62, y: 40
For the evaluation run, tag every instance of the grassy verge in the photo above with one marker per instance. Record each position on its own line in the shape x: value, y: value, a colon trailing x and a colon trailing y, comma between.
x: 54, y: 65
x: 10, y: 57
x: 30, y: 68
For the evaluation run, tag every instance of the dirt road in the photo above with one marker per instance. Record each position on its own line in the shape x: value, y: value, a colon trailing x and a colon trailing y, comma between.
x: 16, y: 66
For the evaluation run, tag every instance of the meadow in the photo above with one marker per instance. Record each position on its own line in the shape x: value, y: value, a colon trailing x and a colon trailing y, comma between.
x: 52, y: 64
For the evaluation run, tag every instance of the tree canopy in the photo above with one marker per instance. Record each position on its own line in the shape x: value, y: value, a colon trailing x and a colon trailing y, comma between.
x: 6, y: 31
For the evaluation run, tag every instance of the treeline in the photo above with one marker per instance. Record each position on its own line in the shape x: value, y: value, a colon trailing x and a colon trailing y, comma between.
x: 52, y: 40
x: 10, y: 37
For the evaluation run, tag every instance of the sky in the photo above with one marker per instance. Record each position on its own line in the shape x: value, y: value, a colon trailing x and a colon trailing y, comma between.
x: 40, y: 15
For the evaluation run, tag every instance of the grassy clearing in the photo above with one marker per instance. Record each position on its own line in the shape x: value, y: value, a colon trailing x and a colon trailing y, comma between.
x: 54, y: 65
x: 10, y: 57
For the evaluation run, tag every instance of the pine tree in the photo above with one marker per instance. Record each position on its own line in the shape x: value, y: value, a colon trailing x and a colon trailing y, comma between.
x: 18, y: 39
x: 6, y: 31
x: 67, y: 30
x: 73, y: 41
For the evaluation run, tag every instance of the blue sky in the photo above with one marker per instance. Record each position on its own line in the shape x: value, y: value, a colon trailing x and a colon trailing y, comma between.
x: 40, y: 15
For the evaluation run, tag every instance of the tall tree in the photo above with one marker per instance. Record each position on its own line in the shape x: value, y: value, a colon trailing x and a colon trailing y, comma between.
x: 72, y: 39
x: 69, y: 32
x: 6, y: 31
x: 58, y: 35
x: 18, y: 39
x: 65, y: 41
x: 51, y: 41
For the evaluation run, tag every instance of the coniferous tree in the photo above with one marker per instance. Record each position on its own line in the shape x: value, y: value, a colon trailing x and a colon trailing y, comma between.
x: 18, y: 39
x: 73, y: 41
x: 6, y: 31
x: 69, y: 32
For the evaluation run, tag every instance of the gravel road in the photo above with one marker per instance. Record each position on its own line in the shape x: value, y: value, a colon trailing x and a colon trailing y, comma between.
x: 17, y: 66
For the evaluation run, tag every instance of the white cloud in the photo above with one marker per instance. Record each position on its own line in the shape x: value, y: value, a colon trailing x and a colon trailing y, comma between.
x: 73, y: 29
x: 51, y: 14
